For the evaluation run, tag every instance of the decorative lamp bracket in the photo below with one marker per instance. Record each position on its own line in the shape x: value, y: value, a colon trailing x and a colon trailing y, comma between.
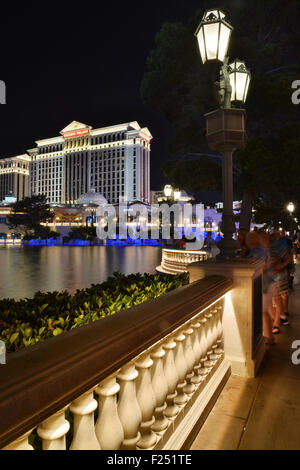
x: 225, y: 89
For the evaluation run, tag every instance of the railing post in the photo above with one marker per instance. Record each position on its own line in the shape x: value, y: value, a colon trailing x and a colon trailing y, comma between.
x: 128, y: 407
x: 181, y: 367
x: 214, y: 356
x: 84, y: 437
x: 220, y: 308
x: 53, y: 431
x: 160, y: 388
x: 208, y: 328
x: 190, y: 360
x: 197, y: 352
x: 172, y: 378
x: 147, y: 402
x: 109, y: 430
x: 203, y: 371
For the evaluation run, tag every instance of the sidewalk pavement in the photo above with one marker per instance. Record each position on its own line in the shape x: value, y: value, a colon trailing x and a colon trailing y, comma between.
x: 261, y: 413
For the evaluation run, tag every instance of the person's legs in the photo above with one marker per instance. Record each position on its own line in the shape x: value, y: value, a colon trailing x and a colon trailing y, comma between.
x: 268, y: 314
x: 278, y: 309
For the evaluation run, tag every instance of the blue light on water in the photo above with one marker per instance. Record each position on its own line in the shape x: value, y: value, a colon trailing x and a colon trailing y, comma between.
x: 77, y: 242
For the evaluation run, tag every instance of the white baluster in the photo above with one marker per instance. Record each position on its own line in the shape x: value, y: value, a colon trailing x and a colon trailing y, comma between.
x: 203, y: 371
x: 190, y: 360
x: 181, y: 367
x: 147, y: 402
x: 216, y: 325
x: 196, y: 380
x: 160, y: 388
x: 214, y: 334
x: 171, y: 375
x: 21, y: 443
x: 53, y: 431
x: 128, y: 407
x: 84, y: 437
x: 109, y: 429
x: 220, y: 308
x: 209, y: 336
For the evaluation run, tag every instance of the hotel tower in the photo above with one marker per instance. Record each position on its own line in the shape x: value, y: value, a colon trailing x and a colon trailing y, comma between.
x: 114, y: 160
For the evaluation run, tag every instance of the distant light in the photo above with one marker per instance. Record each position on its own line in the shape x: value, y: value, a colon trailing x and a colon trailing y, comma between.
x: 168, y: 190
x: 177, y: 194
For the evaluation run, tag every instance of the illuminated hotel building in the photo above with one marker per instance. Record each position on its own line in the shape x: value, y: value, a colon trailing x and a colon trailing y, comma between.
x: 115, y: 161
x: 14, y: 176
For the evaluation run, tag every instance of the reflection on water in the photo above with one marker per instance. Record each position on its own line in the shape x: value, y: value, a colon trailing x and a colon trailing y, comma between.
x: 24, y: 270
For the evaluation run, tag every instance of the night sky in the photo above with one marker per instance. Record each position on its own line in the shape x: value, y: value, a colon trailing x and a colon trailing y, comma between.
x: 80, y: 61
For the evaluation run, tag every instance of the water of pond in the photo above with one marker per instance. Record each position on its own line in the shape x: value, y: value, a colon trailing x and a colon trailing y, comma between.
x: 25, y: 270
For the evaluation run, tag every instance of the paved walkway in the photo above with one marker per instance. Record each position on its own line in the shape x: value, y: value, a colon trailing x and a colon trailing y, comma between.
x: 261, y: 413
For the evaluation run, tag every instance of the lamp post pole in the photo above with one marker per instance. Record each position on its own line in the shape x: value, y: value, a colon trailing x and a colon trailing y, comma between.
x: 228, y: 245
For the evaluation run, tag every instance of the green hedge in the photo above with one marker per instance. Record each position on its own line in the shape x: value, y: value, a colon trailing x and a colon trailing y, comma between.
x: 27, y: 322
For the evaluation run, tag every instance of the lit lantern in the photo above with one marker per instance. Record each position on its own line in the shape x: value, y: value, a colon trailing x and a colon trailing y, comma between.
x: 213, y: 36
x: 168, y: 190
x: 177, y: 194
x: 240, y: 78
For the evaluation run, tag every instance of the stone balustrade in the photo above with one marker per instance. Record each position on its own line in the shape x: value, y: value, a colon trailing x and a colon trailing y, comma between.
x: 144, y: 378
x: 177, y: 261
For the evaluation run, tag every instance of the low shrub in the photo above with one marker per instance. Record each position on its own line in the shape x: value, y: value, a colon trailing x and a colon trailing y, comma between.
x: 30, y: 321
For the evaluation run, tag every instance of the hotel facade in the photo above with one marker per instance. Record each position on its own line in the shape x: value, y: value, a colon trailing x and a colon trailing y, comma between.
x: 14, y: 176
x: 114, y: 160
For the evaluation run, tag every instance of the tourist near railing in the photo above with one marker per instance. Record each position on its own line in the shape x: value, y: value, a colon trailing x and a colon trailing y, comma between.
x: 176, y: 261
x: 156, y: 370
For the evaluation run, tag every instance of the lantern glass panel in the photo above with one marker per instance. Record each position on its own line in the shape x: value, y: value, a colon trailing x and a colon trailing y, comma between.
x: 241, y: 82
x: 247, y: 87
x: 225, y: 34
x: 200, y: 37
x: 211, y: 35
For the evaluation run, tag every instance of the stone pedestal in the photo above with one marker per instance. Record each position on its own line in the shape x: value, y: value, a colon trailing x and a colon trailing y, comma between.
x: 242, y: 320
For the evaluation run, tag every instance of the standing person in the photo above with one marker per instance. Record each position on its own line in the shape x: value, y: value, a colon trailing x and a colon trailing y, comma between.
x: 280, y: 258
x: 258, y: 246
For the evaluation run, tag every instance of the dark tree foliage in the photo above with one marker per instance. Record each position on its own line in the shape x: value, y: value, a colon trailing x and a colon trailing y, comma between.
x: 30, y: 213
x: 272, y: 210
x: 180, y: 87
x: 83, y: 233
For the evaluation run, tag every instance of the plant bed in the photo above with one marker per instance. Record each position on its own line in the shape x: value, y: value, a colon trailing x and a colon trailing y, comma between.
x: 26, y: 322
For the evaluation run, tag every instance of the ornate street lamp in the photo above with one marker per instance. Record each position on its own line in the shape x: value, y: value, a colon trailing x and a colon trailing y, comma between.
x: 226, y: 130
x: 213, y: 36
